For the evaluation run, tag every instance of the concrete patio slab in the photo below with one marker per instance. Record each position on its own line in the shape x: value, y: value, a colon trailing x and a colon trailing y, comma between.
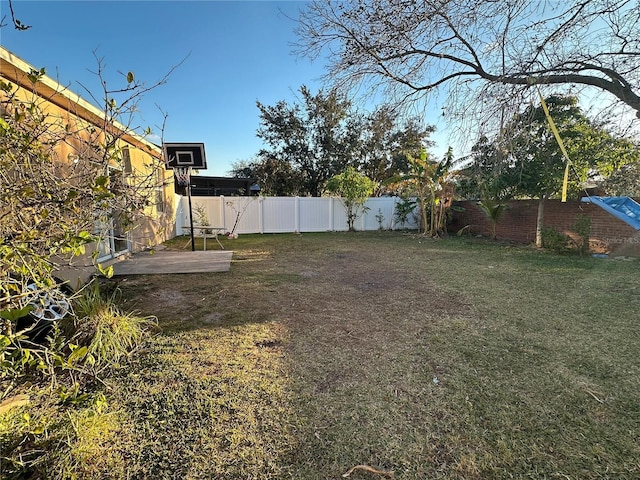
x: 166, y: 261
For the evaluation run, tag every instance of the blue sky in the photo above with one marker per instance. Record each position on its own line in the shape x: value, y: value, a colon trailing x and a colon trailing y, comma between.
x: 236, y: 52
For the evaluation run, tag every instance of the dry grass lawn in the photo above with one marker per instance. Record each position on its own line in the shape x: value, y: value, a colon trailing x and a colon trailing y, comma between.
x: 452, y: 359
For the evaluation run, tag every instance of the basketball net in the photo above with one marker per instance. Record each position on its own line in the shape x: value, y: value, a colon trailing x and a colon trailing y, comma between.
x: 183, y: 175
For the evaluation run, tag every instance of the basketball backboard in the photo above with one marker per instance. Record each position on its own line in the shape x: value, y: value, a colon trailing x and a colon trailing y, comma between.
x: 184, y: 155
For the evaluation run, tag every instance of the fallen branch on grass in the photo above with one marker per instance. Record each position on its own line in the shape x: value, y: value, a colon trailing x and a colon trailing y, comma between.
x: 594, y: 396
x: 367, y: 468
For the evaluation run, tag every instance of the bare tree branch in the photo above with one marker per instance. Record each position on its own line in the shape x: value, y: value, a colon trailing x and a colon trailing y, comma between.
x: 17, y: 24
x: 411, y: 48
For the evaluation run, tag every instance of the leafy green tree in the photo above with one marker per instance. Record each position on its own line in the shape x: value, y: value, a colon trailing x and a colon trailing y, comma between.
x: 385, y: 142
x: 525, y: 158
x: 353, y: 188
x: 309, y: 142
x: 538, y: 162
x: 318, y: 138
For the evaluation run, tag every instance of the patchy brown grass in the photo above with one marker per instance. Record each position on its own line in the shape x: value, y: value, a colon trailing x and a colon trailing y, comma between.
x: 453, y: 359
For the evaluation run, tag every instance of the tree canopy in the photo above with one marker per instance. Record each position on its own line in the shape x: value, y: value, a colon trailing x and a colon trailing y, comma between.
x: 384, y: 144
x: 536, y: 156
x: 313, y: 136
x: 309, y: 142
x: 413, y: 47
x: 525, y: 158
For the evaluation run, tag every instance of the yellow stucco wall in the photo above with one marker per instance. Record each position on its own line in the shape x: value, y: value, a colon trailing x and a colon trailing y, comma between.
x: 67, y: 112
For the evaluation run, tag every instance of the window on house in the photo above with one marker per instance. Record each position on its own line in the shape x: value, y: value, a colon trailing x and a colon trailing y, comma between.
x: 126, y: 161
x: 159, y: 177
x: 159, y: 192
x: 159, y: 200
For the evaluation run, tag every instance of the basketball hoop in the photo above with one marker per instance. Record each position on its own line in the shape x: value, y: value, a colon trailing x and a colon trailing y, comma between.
x: 182, y: 157
x: 183, y: 175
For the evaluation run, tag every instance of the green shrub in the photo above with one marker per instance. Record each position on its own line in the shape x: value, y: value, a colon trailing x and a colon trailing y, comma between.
x: 380, y: 219
x: 558, y: 242
x: 554, y: 240
x: 582, y: 226
x: 404, y: 208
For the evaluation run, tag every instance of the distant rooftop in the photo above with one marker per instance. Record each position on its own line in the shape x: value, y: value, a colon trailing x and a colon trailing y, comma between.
x: 202, y: 186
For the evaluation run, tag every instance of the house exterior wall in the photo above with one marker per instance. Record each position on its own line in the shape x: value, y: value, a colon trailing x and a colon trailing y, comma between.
x: 67, y: 112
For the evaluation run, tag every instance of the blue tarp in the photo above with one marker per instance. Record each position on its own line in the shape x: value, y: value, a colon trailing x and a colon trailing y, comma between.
x: 623, y: 208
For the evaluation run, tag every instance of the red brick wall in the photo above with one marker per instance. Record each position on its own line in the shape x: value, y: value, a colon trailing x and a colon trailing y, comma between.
x: 518, y: 223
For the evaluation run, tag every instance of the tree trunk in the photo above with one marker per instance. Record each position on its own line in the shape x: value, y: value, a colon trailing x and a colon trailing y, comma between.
x: 351, y: 218
x: 425, y: 220
x: 540, y: 221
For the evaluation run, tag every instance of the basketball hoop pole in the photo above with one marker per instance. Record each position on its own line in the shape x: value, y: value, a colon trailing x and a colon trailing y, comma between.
x: 183, y: 177
x: 181, y: 157
x: 193, y: 241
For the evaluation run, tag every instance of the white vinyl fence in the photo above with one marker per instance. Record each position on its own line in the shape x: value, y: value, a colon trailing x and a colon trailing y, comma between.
x: 287, y: 214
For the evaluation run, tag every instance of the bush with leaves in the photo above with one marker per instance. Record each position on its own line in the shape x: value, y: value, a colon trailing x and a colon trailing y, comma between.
x: 353, y: 188
x: 554, y: 240
x: 200, y: 212
x: 53, y: 208
x: 403, y: 209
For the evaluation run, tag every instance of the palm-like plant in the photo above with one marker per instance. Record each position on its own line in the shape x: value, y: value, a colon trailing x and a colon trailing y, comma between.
x: 493, y: 209
x: 432, y: 184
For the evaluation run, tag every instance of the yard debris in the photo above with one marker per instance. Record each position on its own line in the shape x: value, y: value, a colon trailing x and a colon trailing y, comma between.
x: 595, y: 396
x: 15, y: 401
x: 369, y: 469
